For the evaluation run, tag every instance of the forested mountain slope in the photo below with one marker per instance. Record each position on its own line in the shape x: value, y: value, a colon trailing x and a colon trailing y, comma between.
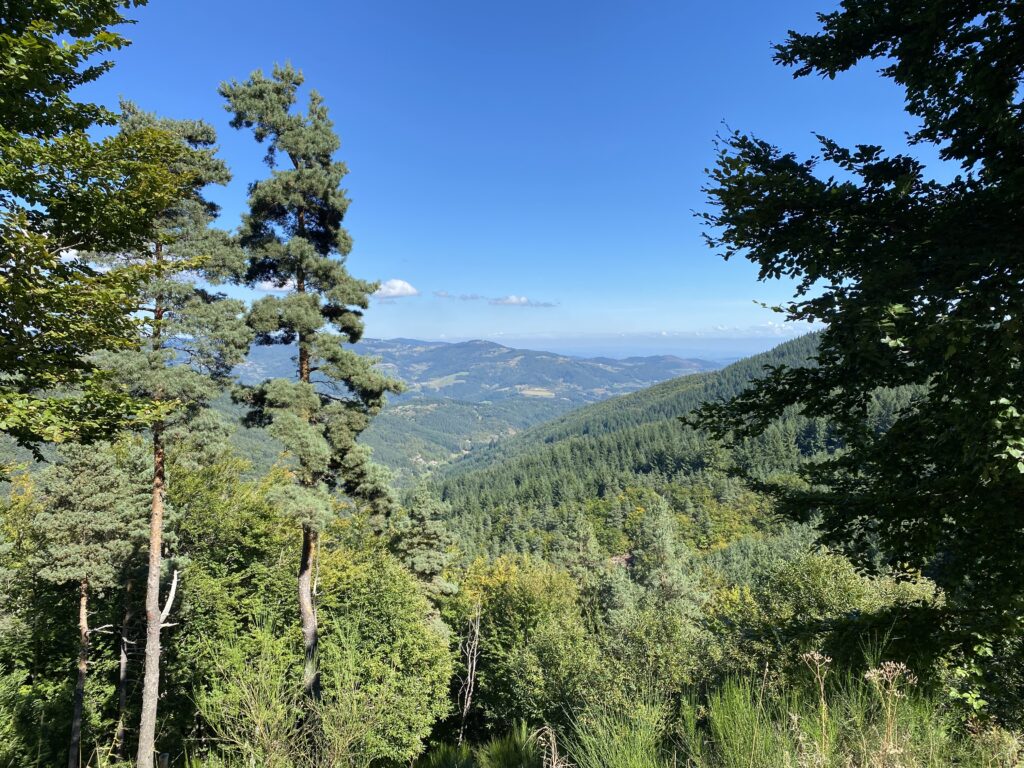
x: 466, y: 395
x: 659, y: 403
x: 576, y: 454
x: 586, y: 473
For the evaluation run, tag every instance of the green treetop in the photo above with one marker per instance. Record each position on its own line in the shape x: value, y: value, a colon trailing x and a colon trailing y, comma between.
x: 92, y: 516
x: 192, y: 337
x: 51, y: 48
x: 423, y: 542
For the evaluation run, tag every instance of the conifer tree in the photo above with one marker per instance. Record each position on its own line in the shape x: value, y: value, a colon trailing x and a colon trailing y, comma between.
x: 918, y: 280
x: 423, y: 541
x: 92, y: 518
x: 297, y: 244
x: 192, y: 338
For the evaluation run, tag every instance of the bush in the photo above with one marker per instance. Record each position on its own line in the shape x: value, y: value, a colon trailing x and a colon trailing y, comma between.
x: 519, y: 748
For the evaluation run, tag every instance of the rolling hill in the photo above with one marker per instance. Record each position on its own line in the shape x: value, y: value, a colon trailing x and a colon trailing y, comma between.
x: 462, y: 396
x: 479, y: 371
x: 528, y: 488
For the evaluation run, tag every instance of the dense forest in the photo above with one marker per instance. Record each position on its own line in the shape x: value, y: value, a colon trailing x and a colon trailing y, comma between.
x: 811, y: 557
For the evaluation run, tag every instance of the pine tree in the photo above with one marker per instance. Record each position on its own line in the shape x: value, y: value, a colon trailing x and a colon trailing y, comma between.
x: 423, y: 542
x: 297, y: 244
x: 192, y: 339
x: 92, y: 519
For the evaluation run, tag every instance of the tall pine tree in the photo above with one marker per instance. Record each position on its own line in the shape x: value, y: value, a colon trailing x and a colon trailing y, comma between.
x: 297, y: 245
x: 192, y: 339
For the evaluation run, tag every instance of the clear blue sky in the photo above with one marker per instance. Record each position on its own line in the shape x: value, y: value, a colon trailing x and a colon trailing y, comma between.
x: 540, y: 153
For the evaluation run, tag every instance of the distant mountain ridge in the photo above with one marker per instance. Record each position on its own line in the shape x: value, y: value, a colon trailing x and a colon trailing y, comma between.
x: 465, y: 395
x: 478, y: 371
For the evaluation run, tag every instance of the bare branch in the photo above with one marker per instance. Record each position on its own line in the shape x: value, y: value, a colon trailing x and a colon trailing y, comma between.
x: 170, y: 599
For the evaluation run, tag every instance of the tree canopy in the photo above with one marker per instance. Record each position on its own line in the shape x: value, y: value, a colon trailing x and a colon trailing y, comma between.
x: 918, y: 283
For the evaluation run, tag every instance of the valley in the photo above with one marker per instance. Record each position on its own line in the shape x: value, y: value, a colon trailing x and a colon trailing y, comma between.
x: 469, y: 395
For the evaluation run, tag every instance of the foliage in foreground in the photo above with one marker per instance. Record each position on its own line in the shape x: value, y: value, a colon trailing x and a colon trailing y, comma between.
x: 877, y: 721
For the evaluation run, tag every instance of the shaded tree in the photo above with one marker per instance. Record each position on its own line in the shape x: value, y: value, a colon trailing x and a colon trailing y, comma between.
x: 91, y: 520
x: 920, y: 284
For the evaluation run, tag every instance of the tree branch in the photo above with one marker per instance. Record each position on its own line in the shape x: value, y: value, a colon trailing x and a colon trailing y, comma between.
x: 170, y: 598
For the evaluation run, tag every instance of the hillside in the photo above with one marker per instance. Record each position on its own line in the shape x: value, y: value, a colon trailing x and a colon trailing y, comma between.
x: 659, y: 405
x: 596, y: 451
x: 479, y: 371
x: 468, y: 395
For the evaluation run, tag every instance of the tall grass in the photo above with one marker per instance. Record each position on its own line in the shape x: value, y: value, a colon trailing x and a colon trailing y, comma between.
x: 633, y: 738
x: 880, y: 720
x: 519, y: 748
x: 448, y: 756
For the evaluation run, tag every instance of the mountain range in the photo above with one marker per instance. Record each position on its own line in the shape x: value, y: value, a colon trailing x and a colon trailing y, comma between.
x: 479, y: 371
x: 460, y: 396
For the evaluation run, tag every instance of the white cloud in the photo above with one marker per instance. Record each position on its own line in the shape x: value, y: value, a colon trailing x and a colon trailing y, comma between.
x: 459, y: 296
x: 395, y: 289
x: 268, y: 286
x: 512, y: 300
x: 519, y: 301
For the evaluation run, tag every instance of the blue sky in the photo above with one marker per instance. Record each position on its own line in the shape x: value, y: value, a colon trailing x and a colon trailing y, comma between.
x: 542, y: 157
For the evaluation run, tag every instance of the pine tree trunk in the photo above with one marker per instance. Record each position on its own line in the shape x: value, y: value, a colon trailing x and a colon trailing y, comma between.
x: 121, y: 735
x: 75, y: 748
x: 310, y: 537
x: 307, y: 612
x: 151, y: 675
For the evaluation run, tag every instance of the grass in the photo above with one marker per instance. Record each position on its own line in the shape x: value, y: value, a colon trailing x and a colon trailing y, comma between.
x: 611, y: 737
x: 880, y: 720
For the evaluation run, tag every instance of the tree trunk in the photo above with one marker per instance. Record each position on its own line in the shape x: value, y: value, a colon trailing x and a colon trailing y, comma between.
x: 75, y: 749
x: 121, y: 734
x: 307, y: 612
x: 310, y: 537
x: 151, y: 675
x: 471, y: 653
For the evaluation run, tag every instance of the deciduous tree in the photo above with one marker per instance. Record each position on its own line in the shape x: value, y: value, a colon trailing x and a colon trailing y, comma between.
x: 62, y: 193
x: 918, y: 281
